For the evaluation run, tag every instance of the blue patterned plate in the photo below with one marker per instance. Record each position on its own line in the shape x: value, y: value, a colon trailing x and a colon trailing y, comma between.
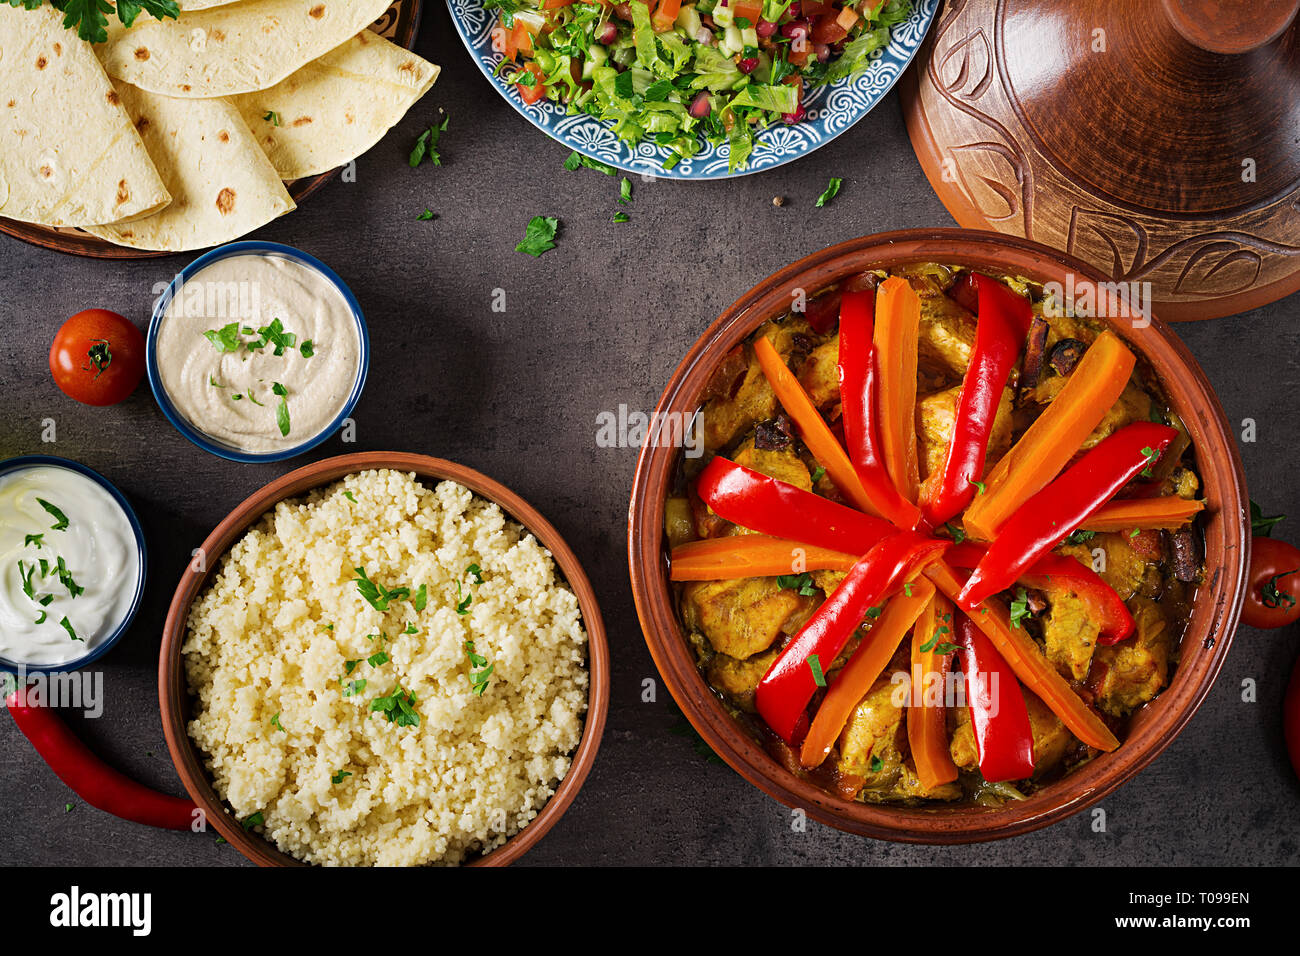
x: 831, y: 109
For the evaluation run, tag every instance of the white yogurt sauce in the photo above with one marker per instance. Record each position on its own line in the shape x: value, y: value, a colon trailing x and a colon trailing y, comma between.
x: 229, y: 393
x: 98, y: 549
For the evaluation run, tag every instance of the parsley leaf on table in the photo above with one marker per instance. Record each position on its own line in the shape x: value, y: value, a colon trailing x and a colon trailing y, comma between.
x: 426, y: 146
x: 539, y: 236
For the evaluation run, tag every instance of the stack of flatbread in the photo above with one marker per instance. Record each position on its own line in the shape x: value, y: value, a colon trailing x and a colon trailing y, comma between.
x: 180, y: 134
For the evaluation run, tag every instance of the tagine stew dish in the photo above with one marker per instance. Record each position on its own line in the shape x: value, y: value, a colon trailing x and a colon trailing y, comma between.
x: 943, y: 539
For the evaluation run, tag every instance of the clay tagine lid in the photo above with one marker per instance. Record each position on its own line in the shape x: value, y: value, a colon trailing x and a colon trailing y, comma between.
x: 1156, y: 139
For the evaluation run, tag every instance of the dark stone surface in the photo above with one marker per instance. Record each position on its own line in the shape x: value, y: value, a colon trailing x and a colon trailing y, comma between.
x: 600, y: 321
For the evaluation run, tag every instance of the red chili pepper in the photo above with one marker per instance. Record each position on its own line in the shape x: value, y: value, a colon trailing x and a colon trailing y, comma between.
x: 858, y: 368
x: 1004, y: 739
x: 1043, y: 521
x: 93, y: 780
x: 1004, y: 320
x: 789, y: 684
x: 1105, y: 606
x: 755, y: 501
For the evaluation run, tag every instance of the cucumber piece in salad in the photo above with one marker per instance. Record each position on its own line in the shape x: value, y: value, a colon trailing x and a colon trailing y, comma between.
x: 680, y: 73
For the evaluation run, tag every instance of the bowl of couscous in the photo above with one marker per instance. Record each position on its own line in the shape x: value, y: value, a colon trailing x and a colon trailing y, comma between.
x: 383, y: 659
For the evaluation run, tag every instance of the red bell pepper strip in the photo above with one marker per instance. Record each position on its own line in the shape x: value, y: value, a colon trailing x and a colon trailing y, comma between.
x: 1004, y: 739
x: 1004, y: 320
x: 858, y: 368
x: 770, y: 506
x: 784, y: 692
x: 1043, y: 521
x: 93, y: 780
x: 1051, y: 571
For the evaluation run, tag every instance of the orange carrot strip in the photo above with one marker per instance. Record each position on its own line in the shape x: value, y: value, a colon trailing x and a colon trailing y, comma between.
x: 1126, y: 514
x: 1030, y: 666
x: 1052, y: 440
x: 814, y: 431
x: 866, y: 664
x: 898, y: 331
x: 752, y: 556
x: 927, y: 722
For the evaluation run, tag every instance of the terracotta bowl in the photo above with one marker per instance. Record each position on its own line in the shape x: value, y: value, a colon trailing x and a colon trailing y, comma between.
x: 173, y: 692
x: 1205, y: 644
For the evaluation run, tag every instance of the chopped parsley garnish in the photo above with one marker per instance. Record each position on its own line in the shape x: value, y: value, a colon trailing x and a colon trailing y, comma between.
x: 214, y: 383
x: 877, y: 764
x: 350, y: 666
x: 539, y: 236
x: 475, y: 572
x: 340, y: 776
x: 275, y: 336
x: 378, y: 659
x: 958, y: 533
x: 272, y: 117
x: 281, y: 410
x: 410, y: 629
x: 25, y: 573
x: 253, y: 820
x: 67, y: 626
x: 398, y: 707
x: 462, y: 604
x: 625, y: 191
x: 352, y: 688
x: 621, y: 217
x: 275, y: 722
x: 308, y: 348
x: 426, y: 145
x: 830, y: 192
x: 376, y: 595
x: 803, y: 583
x: 875, y: 612
x: 254, y: 400
x: 1261, y: 525
x: 41, y: 619
x: 817, y: 474
x: 348, y: 495
x: 34, y: 539
x: 224, y: 339
x: 478, y: 678
x: 576, y: 160
x: 65, y: 578
x: 422, y: 597
x: 1020, y: 607
x: 1135, y: 532
x: 1080, y: 536
x: 815, y: 665
x: 933, y: 642
x: 426, y: 216
x: 60, y: 519
x: 1152, y: 456
x: 907, y: 588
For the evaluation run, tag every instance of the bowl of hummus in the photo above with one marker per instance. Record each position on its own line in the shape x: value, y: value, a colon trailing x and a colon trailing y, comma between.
x: 257, y: 352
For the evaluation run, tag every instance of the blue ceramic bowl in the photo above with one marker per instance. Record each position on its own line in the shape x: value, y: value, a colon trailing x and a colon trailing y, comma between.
x: 103, y: 647
x: 832, y: 109
x: 206, y: 442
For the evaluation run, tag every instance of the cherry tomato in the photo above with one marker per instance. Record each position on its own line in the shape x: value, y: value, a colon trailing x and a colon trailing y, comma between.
x: 1291, y: 718
x: 1273, y: 588
x: 97, y: 357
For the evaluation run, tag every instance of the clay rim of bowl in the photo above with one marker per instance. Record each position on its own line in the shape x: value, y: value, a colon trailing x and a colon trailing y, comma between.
x: 173, y: 691
x: 1153, y: 727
